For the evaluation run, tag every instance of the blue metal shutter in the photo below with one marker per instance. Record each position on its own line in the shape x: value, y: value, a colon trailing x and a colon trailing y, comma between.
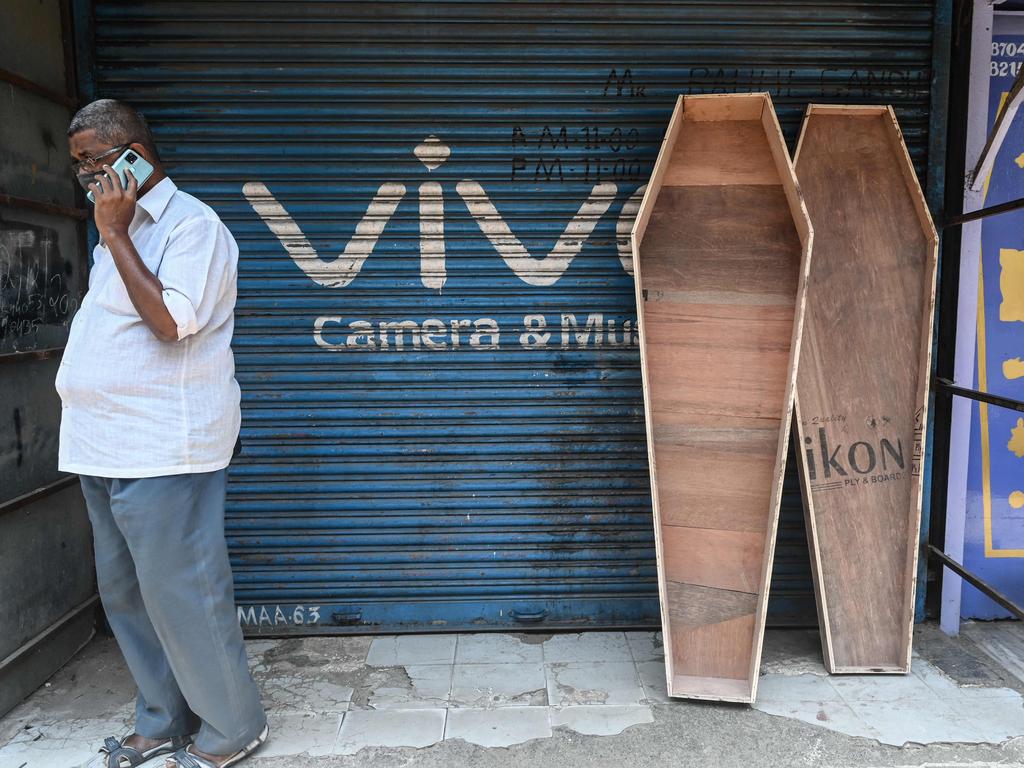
x: 424, y: 486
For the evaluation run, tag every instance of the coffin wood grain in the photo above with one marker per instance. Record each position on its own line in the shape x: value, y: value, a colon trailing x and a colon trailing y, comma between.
x: 707, y: 557
x: 863, y: 378
x: 720, y: 251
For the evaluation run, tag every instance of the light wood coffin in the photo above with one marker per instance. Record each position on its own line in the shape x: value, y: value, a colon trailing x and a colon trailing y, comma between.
x: 720, y: 247
x: 862, y: 388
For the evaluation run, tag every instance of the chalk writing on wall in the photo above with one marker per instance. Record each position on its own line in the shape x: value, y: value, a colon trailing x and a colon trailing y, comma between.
x: 35, y: 288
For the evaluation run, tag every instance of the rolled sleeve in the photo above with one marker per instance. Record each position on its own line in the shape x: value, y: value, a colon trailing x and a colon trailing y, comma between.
x: 182, y: 311
x: 199, y: 260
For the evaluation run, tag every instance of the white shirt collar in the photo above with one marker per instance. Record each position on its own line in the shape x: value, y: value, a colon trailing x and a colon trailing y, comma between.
x: 155, y: 201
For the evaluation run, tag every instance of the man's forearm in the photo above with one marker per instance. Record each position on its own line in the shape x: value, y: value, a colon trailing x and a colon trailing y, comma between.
x: 144, y: 289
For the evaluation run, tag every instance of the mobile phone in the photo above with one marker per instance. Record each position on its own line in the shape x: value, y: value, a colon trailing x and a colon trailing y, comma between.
x: 141, y: 169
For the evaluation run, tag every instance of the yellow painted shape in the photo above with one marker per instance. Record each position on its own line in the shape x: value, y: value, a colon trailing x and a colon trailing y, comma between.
x: 986, y: 459
x: 1020, y: 160
x: 1017, y: 499
x: 1011, y: 285
x: 1016, y: 443
x: 1013, y: 368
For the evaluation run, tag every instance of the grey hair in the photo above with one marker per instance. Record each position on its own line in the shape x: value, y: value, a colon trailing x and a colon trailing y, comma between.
x: 114, y: 123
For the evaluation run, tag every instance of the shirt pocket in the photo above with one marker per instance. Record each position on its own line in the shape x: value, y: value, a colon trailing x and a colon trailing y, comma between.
x: 114, y: 294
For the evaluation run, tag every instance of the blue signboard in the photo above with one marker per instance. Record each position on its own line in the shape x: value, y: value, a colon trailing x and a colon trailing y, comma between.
x: 994, y: 534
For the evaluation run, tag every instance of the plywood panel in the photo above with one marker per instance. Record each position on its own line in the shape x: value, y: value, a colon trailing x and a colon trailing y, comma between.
x: 723, y: 107
x: 712, y: 631
x: 712, y: 152
x: 708, y: 557
x: 862, y: 384
x: 719, y: 256
x: 695, y: 493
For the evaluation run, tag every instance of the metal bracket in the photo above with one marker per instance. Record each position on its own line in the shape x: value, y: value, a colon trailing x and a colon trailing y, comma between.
x: 981, y: 213
x: 948, y: 387
x: 987, y: 589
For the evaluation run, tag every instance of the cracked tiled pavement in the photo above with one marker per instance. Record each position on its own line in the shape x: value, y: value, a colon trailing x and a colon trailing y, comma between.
x: 562, y: 700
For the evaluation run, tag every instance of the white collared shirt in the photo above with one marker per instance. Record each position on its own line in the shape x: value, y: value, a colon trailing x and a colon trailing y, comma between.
x: 135, y: 406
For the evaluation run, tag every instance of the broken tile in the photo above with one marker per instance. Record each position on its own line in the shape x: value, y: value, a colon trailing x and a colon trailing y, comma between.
x: 835, y: 715
x: 922, y: 708
x: 937, y: 680
x: 296, y: 733
x: 997, y: 714
x: 498, y: 727
x: 796, y: 688
x: 406, y: 650
x: 491, y: 685
x: 428, y: 686
x: 653, y: 680
x: 389, y: 728
x: 792, y: 652
x: 594, y: 683
x: 645, y: 646
x: 300, y: 693
x: 256, y: 648
x: 881, y: 687
x: 587, y: 646
x: 308, y: 682
x: 351, y: 648
x: 97, y: 676
x: 59, y: 743
x: 601, y: 720
x: 914, y: 721
x: 496, y: 648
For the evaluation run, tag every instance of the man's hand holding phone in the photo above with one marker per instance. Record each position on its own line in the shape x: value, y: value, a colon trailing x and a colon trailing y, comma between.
x: 115, y: 203
x: 115, y: 209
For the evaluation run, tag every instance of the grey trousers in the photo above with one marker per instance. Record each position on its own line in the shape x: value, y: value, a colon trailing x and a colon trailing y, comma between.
x: 165, y: 582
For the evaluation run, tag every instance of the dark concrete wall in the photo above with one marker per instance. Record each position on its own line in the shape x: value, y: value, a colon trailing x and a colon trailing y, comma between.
x: 47, y: 585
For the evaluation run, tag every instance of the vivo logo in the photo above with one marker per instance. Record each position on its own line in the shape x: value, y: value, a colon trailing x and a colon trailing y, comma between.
x: 539, y: 270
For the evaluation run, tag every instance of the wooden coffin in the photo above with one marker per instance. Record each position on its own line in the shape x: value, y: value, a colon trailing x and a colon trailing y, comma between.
x: 720, y: 247
x: 862, y: 387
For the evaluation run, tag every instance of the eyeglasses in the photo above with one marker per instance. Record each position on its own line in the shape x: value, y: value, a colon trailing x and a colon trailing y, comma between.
x: 91, y: 162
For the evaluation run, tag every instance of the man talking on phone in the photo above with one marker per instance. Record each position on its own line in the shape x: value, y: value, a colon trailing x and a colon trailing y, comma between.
x: 149, y: 421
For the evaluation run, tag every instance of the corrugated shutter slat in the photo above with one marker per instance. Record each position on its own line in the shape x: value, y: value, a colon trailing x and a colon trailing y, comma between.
x: 474, y: 486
